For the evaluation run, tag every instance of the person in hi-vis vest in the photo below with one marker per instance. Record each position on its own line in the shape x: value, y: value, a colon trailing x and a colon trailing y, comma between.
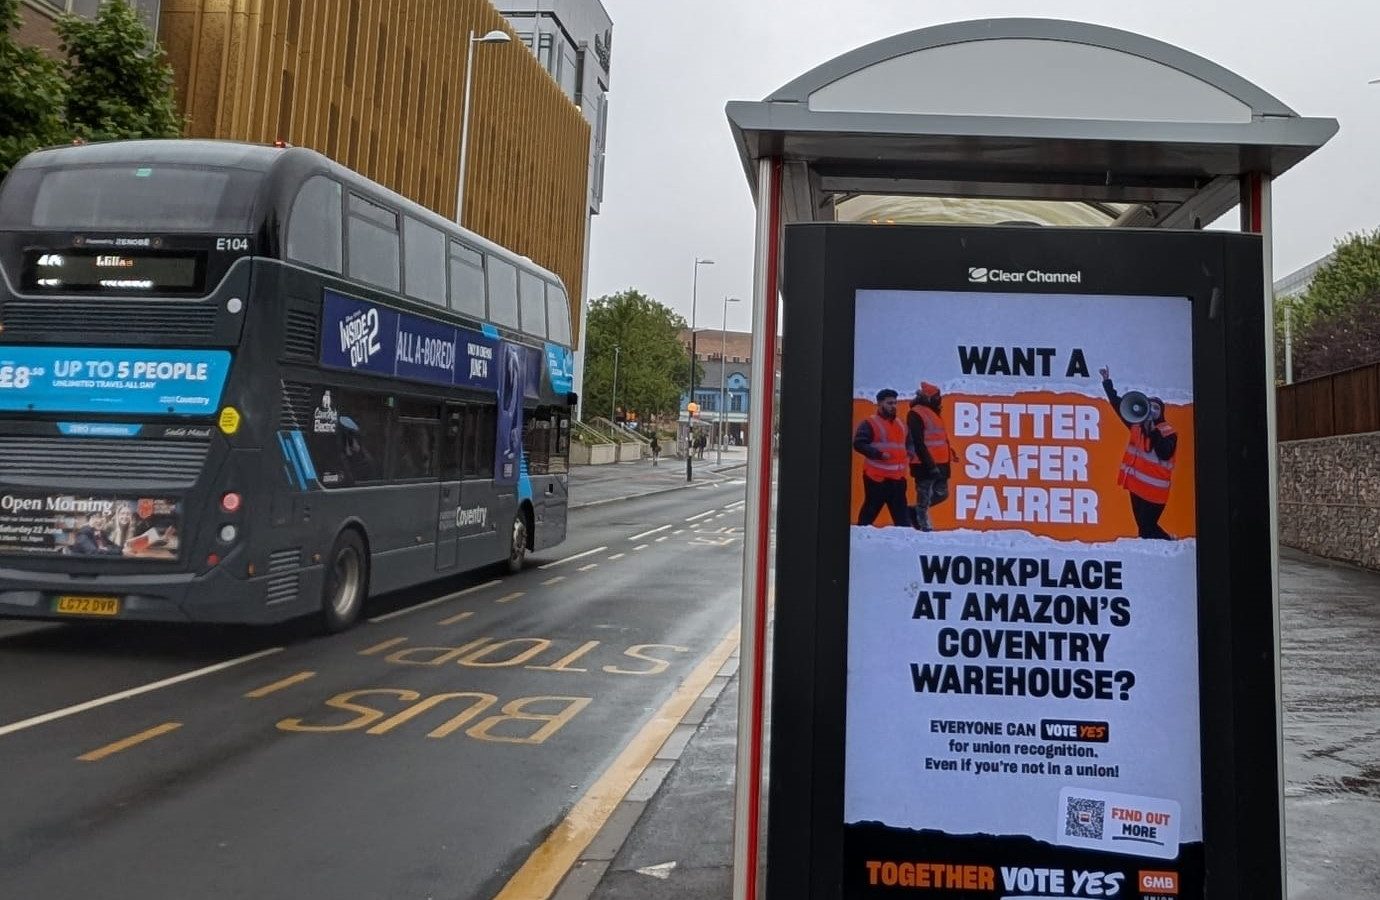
x: 1148, y: 464
x: 930, y: 454
x: 882, y: 441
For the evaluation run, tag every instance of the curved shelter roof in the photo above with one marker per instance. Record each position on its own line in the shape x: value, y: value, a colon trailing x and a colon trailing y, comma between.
x: 1028, y: 109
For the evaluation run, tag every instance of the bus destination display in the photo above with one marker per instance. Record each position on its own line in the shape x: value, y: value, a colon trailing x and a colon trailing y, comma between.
x: 85, y: 271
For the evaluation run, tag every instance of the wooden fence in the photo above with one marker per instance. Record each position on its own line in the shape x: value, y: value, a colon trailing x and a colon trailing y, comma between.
x: 1342, y: 403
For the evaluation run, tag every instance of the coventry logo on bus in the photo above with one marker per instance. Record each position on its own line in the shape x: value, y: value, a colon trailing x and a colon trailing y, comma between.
x: 359, y: 336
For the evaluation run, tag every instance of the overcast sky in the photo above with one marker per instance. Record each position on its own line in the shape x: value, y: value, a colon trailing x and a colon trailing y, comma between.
x: 675, y: 188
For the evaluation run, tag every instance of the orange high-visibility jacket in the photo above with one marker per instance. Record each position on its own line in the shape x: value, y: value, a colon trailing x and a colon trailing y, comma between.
x: 890, y: 438
x: 1143, y: 473
x: 936, y: 436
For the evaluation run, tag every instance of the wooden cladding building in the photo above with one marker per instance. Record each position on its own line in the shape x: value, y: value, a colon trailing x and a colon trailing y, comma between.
x: 378, y: 85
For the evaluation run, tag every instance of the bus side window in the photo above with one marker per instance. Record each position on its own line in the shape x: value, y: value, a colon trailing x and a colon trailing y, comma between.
x: 374, y: 244
x: 557, y: 315
x: 470, y: 436
x: 503, y: 292
x: 532, y: 302
x: 536, y: 440
x: 487, y: 432
x: 313, y: 228
x: 467, y: 281
x: 418, y: 426
x: 453, y: 443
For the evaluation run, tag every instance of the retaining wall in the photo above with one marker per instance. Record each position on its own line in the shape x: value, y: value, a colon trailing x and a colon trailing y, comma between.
x: 1329, y: 497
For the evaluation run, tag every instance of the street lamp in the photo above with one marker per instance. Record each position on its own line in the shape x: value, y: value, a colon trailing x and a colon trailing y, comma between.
x: 689, y: 420
x: 723, y: 370
x: 493, y: 37
x: 613, y: 405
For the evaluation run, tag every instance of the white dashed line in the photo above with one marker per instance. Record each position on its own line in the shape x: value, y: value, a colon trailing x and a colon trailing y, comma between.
x: 554, y: 580
x: 132, y: 692
x: 702, y: 515
x: 561, y: 562
x: 641, y: 547
x: 588, y: 567
x: 430, y: 603
x: 617, y: 556
x: 662, y: 538
x: 646, y: 533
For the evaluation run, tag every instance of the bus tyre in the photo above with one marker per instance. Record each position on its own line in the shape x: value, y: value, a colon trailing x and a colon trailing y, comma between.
x: 517, y: 543
x: 346, y: 582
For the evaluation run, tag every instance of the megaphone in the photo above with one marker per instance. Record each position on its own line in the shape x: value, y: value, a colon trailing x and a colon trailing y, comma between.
x: 1135, y: 407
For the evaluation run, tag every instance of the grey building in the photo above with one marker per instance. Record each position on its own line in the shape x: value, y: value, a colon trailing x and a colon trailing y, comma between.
x: 1297, y: 281
x: 573, y: 39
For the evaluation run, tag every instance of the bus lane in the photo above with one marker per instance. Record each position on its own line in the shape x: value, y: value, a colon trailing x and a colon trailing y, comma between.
x: 433, y: 750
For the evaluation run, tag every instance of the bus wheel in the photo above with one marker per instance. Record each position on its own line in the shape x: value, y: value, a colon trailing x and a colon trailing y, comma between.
x: 346, y: 584
x: 517, y: 546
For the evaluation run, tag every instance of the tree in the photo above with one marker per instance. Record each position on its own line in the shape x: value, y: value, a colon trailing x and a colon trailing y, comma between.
x: 33, y: 95
x: 653, y: 366
x: 1336, y: 322
x: 119, y: 81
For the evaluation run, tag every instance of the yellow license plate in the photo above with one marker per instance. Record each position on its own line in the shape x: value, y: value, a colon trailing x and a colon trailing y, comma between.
x: 88, y: 606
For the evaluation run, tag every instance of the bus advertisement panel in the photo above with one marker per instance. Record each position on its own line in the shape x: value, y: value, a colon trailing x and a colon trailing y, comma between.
x: 34, y: 523
x: 360, y: 336
x: 109, y: 379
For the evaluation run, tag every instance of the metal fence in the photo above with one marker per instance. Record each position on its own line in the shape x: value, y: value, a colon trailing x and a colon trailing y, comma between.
x: 1342, y: 403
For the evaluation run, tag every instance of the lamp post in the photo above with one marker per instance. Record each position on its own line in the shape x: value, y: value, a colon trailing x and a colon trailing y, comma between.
x: 613, y: 405
x: 689, y: 419
x: 493, y: 37
x: 723, y: 372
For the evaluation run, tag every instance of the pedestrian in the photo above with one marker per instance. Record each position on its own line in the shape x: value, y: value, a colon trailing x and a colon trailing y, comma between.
x: 1148, y: 465
x: 882, y: 441
x: 929, y: 452
x: 655, y: 448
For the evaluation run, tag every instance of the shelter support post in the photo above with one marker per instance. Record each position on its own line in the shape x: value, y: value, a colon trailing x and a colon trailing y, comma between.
x: 1257, y: 218
x: 747, y: 808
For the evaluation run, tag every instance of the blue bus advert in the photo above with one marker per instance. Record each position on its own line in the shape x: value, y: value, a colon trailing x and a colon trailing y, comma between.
x: 105, y: 379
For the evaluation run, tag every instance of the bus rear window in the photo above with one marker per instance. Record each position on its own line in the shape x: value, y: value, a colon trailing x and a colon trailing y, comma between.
x: 130, y: 197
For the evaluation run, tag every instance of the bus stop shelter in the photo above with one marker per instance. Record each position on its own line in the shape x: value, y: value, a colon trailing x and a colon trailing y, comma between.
x: 1002, y: 121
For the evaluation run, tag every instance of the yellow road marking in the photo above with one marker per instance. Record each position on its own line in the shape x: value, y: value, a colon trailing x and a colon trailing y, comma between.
x: 379, y: 648
x: 541, y: 874
x: 458, y: 617
x: 509, y: 598
x: 588, y: 567
x: 554, y: 580
x: 279, y: 685
x: 132, y: 740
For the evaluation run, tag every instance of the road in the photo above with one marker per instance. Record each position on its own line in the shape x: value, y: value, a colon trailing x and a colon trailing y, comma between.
x: 425, y: 754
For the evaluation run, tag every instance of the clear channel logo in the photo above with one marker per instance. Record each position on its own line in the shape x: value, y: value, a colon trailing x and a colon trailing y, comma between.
x: 984, y: 275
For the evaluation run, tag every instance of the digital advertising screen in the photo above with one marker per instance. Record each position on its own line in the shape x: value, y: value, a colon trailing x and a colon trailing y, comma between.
x: 1023, y: 638
x: 1022, y: 707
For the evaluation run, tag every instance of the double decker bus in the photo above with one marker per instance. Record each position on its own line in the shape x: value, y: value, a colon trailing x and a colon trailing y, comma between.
x: 242, y: 383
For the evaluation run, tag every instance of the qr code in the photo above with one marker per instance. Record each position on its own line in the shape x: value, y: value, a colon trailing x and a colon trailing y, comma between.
x: 1083, y: 818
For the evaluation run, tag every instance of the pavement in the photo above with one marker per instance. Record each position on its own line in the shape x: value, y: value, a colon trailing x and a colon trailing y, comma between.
x: 593, y: 485
x: 672, y: 838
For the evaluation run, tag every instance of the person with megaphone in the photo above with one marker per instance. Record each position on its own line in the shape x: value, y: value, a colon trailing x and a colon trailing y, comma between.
x: 1148, y: 464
